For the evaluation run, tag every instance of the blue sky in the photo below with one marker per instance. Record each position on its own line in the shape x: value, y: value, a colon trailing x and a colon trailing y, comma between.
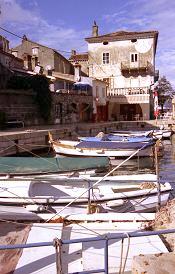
x: 63, y: 25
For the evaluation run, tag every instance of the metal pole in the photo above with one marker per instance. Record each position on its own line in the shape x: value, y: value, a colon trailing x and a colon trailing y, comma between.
x: 92, y: 239
x: 106, y: 256
x: 138, y: 162
x: 89, y: 197
x: 158, y: 181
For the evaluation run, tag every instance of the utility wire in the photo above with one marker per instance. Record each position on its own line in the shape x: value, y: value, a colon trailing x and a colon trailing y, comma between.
x: 14, y: 34
x: 11, y: 33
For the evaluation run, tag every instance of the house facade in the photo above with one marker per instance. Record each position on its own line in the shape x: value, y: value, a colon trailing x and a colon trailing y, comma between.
x: 126, y: 61
x: 37, y: 56
x: 68, y: 106
x: 82, y: 59
x: 100, y: 102
x: 8, y: 62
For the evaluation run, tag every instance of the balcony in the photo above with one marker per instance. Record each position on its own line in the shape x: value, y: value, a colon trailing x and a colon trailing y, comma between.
x: 130, y: 95
x: 140, y: 66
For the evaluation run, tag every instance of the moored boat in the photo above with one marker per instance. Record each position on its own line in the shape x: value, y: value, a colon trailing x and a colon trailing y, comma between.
x: 38, y: 165
x: 101, y: 148
x: 118, y: 138
x: 162, y: 133
x: 51, y: 195
x: 157, y: 133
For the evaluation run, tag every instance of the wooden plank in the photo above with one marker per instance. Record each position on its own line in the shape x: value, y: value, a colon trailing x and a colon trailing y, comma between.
x: 40, y: 259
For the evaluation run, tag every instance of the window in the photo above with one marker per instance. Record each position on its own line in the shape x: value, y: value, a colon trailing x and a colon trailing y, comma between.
x: 134, y: 57
x: 97, y: 92
x: 103, y: 92
x: 35, y: 51
x: 106, y: 58
x: 15, y: 53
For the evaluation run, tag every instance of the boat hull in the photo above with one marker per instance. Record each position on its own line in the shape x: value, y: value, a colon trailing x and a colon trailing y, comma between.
x: 70, y: 149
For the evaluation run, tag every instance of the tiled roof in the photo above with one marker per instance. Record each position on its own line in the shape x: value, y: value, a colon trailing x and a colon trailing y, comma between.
x: 122, y: 35
x: 79, y: 57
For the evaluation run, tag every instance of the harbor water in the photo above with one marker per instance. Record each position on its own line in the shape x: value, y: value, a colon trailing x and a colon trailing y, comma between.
x: 167, y: 162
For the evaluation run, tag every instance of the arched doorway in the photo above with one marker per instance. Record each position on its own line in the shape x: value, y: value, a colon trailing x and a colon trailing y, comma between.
x: 130, y: 112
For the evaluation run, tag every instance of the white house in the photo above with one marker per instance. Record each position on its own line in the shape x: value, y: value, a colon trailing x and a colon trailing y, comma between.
x: 126, y: 61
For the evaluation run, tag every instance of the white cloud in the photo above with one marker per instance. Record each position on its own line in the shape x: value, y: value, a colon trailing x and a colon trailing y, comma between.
x: 151, y: 15
x: 131, y: 15
x: 21, y: 20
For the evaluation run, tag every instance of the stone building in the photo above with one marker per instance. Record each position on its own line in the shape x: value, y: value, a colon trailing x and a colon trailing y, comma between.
x: 68, y: 106
x: 126, y: 61
x: 76, y: 97
x: 82, y: 59
x: 8, y: 62
x: 37, y: 56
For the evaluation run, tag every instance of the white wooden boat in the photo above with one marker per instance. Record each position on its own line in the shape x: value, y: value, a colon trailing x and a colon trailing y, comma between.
x: 44, y: 195
x: 133, y: 133
x: 157, y: 133
x: 102, y: 148
x: 81, y: 177
x: 162, y: 133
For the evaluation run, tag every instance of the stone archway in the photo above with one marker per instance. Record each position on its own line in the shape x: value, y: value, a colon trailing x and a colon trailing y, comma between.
x: 130, y: 112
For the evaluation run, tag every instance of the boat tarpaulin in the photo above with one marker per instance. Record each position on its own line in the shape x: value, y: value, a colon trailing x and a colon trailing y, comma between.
x: 31, y: 165
x: 113, y: 145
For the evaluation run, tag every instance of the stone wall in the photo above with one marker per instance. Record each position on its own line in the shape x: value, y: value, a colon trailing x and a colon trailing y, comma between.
x: 70, y: 108
x: 20, y: 105
x: 66, y: 108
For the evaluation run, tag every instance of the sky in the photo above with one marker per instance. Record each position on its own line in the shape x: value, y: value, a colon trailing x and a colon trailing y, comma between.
x: 63, y: 24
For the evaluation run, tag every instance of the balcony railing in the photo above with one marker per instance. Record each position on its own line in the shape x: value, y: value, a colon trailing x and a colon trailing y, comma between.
x: 128, y: 91
x: 74, y: 92
x: 135, y: 66
x: 129, y: 95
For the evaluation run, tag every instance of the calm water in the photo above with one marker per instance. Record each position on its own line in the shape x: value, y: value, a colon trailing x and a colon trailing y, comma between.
x: 167, y: 162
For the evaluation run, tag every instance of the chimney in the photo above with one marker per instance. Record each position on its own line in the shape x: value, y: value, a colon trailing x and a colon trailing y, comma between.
x: 24, y: 38
x: 95, y: 30
x: 73, y: 52
x: 77, y: 72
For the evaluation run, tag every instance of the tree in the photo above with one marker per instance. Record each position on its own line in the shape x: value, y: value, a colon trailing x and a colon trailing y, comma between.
x: 40, y: 85
x: 165, y: 91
